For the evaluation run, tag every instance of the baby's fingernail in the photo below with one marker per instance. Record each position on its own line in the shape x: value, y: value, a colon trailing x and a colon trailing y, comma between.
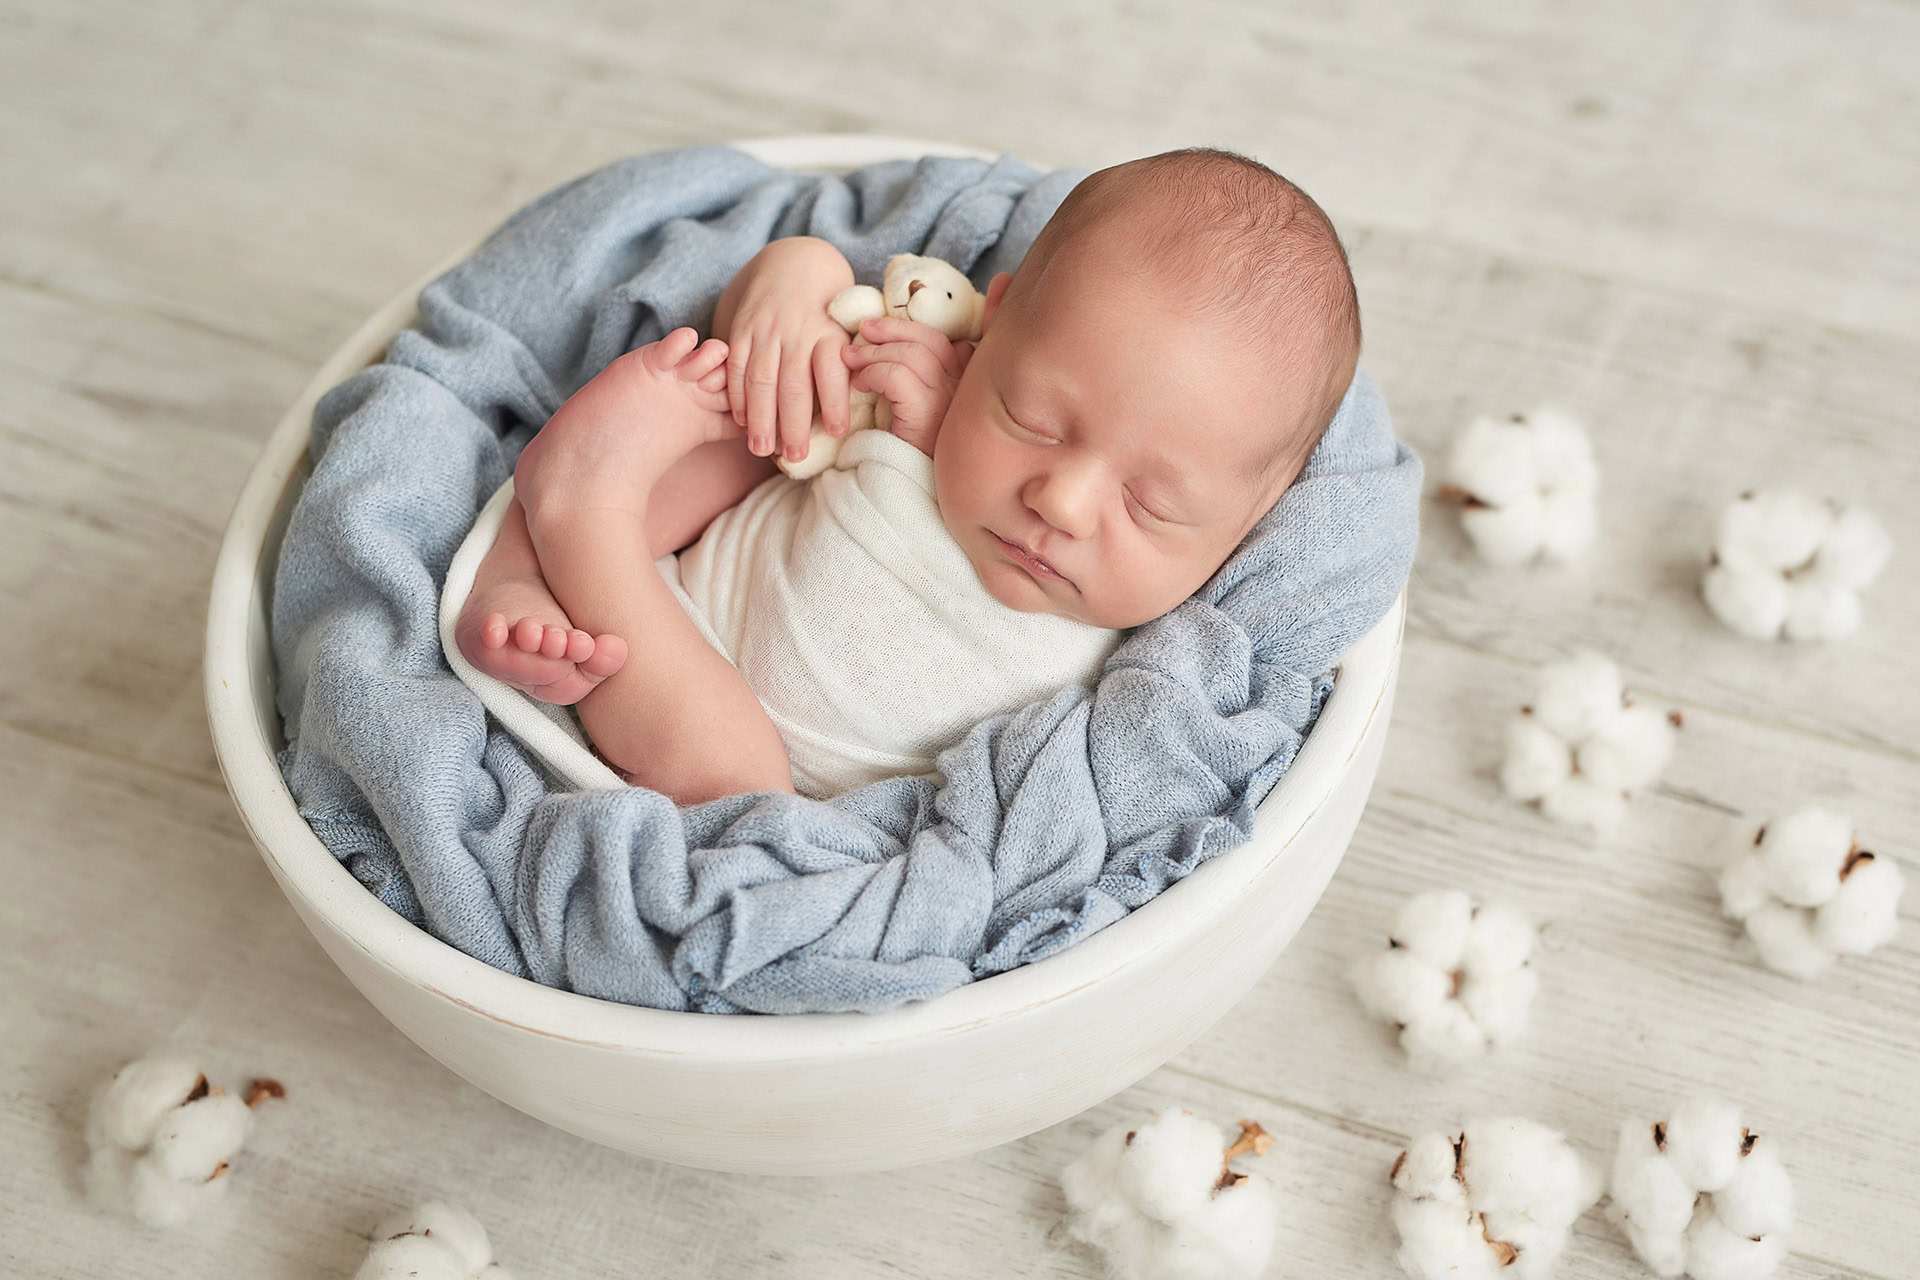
x: 793, y: 453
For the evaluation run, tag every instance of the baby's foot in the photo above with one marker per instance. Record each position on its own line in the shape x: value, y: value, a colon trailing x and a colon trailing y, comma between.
x: 513, y: 629
x: 615, y: 436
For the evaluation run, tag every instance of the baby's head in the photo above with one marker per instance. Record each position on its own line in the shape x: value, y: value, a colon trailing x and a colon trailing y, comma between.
x: 1147, y: 385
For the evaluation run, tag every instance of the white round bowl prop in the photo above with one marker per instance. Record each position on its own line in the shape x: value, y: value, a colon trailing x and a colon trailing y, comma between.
x: 796, y: 1094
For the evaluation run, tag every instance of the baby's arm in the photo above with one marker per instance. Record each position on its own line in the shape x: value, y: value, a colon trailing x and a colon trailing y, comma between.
x: 916, y: 367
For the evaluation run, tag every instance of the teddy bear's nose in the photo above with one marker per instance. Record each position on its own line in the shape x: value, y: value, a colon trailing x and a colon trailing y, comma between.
x: 915, y: 286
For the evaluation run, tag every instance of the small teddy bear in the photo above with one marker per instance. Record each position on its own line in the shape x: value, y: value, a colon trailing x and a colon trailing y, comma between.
x: 928, y: 290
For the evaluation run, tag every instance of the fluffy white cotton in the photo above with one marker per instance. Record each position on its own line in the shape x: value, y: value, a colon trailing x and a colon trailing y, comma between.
x: 159, y: 1140
x: 1453, y: 977
x: 434, y: 1241
x: 1806, y: 892
x: 1528, y: 485
x: 1149, y: 1198
x: 1495, y: 1198
x: 1701, y: 1194
x: 1581, y: 747
x: 1786, y: 564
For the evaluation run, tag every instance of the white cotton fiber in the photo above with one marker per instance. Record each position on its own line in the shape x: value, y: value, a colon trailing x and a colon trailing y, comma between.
x: 1495, y: 1198
x: 1806, y: 892
x: 1788, y: 564
x: 1528, y: 485
x: 433, y: 1241
x: 1581, y: 747
x: 1150, y: 1198
x: 160, y: 1138
x: 1735, y: 1229
x: 1453, y: 977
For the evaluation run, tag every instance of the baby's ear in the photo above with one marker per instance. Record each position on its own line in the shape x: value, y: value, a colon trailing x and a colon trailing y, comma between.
x: 996, y: 290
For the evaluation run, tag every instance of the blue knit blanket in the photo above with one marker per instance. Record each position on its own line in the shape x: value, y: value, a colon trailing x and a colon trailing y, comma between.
x: 1053, y: 821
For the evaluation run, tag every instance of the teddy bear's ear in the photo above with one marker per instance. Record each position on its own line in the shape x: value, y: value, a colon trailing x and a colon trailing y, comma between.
x: 903, y: 261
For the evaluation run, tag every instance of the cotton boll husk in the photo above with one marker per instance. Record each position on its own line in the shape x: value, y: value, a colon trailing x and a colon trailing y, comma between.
x: 1396, y: 985
x: 1499, y: 938
x: 1821, y: 611
x: 410, y: 1257
x: 1703, y: 1142
x: 1865, y: 912
x: 194, y: 1139
x: 1854, y: 552
x: 1509, y: 534
x: 1498, y: 1002
x: 1579, y: 802
x: 160, y: 1201
x: 1629, y: 750
x: 447, y: 1225
x: 1493, y: 461
x: 1802, y: 854
x: 1169, y: 1170
x: 1425, y: 1170
x: 1758, y: 1199
x: 1538, y: 760
x: 1562, y: 454
x: 1784, y: 938
x: 1568, y: 523
x: 1442, y: 1037
x: 1575, y: 697
x: 130, y: 1107
x: 1716, y: 1253
x: 1441, y: 1241
x: 1773, y: 529
x: 1752, y: 602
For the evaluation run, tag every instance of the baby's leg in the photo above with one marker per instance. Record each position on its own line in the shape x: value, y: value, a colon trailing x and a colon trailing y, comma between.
x: 514, y: 630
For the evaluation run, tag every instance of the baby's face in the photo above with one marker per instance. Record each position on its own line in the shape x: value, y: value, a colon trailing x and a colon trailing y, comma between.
x: 1102, y: 457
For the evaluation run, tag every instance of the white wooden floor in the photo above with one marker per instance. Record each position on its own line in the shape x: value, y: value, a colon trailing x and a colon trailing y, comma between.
x: 1692, y: 221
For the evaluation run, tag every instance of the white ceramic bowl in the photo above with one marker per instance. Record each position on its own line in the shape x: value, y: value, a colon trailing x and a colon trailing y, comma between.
x: 800, y: 1094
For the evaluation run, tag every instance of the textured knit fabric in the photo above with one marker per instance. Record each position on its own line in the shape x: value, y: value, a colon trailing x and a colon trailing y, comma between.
x: 1052, y: 821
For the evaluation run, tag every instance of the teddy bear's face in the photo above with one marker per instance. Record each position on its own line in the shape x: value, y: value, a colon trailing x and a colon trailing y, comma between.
x: 933, y: 293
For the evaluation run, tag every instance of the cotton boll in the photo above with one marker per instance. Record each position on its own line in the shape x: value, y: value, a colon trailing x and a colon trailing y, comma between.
x: 1773, y: 529
x: 160, y: 1201
x: 1497, y: 1004
x: 1802, y: 854
x: 194, y: 1140
x: 1434, y: 926
x: 1499, y: 938
x: 1567, y: 524
x: 1716, y: 1253
x: 1580, y: 803
x: 1522, y: 1186
x: 1442, y: 1037
x: 1506, y: 535
x: 1576, y: 697
x: 1784, y: 937
x: 1743, y: 887
x: 1441, y: 1241
x: 1538, y: 760
x: 1091, y: 1184
x: 1562, y: 454
x: 1169, y: 1169
x: 1517, y: 1166
x: 1652, y: 1203
x: 1229, y: 1237
x: 412, y: 1258
x: 1854, y: 552
x: 1493, y: 461
x: 1821, y: 611
x: 450, y: 1227
x: 1758, y: 1199
x: 1703, y: 1142
x: 1397, y: 986
x: 1428, y: 1170
x: 1629, y: 750
x: 1752, y: 602
x: 1865, y: 912
x: 129, y: 1107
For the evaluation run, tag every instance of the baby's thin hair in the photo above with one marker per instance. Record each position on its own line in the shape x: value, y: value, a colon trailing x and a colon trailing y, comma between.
x: 1257, y: 250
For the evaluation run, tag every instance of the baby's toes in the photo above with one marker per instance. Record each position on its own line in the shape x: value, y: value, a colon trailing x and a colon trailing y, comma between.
x: 579, y: 646
x: 663, y: 355
x: 608, y: 656
x: 494, y: 631
x: 528, y: 634
x: 554, y: 643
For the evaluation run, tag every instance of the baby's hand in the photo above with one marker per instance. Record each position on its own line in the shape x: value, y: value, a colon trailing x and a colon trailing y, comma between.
x: 916, y: 367
x: 786, y: 348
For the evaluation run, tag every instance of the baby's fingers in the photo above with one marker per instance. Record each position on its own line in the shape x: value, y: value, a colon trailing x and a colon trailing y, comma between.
x: 830, y: 384
x: 796, y: 403
x: 762, y: 390
x: 888, y: 330
x: 927, y: 366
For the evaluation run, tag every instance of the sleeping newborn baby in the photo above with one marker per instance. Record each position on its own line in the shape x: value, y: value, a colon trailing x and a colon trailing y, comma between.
x: 1145, y: 387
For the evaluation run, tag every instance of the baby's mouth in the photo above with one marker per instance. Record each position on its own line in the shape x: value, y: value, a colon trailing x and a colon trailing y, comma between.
x: 1027, y: 560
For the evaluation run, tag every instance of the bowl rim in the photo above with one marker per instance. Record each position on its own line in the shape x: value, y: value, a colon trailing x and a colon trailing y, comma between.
x: 306, y: 868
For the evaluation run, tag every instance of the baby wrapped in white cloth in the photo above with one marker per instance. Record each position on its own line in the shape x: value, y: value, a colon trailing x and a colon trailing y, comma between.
x: 851, y: 612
